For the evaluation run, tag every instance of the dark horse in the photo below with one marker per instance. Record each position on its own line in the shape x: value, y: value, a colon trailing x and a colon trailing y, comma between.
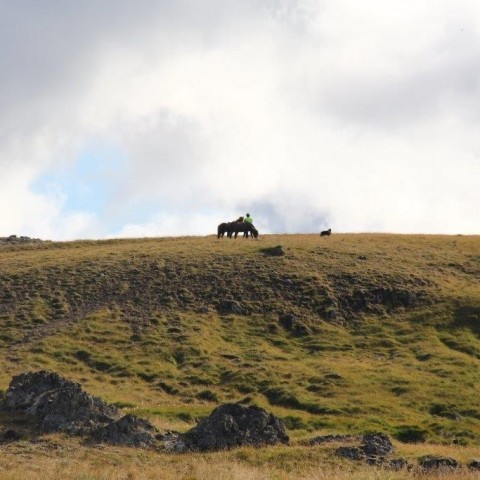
x: 224, y: 228
x: 244, y: 227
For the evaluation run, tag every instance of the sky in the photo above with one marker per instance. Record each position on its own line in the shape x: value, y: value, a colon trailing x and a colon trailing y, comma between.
x: 144, y: 118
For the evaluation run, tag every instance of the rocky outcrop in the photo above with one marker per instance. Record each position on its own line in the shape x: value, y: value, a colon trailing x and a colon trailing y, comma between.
x: 14, y: 239
x: 234, y: 425
x: 58, y: 403
x: 61, y: 405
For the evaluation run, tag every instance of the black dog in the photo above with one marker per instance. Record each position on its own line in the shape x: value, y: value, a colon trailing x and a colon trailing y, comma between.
x: 326, y: 233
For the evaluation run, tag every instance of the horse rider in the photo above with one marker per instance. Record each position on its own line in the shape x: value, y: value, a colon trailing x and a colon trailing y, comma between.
x: 248, y: 219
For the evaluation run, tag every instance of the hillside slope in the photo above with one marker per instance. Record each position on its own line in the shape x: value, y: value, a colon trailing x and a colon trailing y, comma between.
x: 350, y: 333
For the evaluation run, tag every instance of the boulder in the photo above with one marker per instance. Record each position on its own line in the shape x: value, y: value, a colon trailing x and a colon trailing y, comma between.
x: 130, y: 431
x: 376, y: 446
x: 234, y: 425
x: 58, y: 403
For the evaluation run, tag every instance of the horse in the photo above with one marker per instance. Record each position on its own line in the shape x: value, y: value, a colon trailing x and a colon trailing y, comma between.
x: 326, y: 233
x: 244, y: 227
x: 224, y: 228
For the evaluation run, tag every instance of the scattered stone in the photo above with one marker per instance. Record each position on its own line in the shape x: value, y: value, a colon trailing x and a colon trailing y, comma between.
x: 398, y: 464
x: 59, y: 404
x: 474, y: 464
x: 226, y: 307
x: 438, y: 463
x: 273, y: 251
x: 234, y: 425
x: 130, y: 431
x: 352, y: 453
x: 290, y: 323
x: 173, y: 442
x: 287, y: 321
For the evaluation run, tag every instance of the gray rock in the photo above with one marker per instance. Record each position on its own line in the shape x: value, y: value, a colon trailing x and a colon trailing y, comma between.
x: 229, y: 307
x: 474, y: 464
x: 376, y: 446
x: 438, y: 463
x: 287, y: 321
x: 373, y: 449
x: 234, y: 425
x: 398, y: 464
x: 130, y: 431
x: 59, y: 404
x: 174, y: 442
x: 352, y: 453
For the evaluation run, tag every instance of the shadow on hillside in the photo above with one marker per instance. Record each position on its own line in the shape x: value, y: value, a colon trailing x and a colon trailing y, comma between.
x: 468, y: 317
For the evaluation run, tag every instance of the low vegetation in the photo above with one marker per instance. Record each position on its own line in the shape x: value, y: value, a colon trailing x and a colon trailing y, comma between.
x: 345, y: 334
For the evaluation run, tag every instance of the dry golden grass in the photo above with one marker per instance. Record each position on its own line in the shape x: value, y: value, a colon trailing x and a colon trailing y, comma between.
x: 59, y: 458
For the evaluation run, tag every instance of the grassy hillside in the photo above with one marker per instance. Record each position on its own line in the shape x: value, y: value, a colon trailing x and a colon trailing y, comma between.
x: 383, y: 332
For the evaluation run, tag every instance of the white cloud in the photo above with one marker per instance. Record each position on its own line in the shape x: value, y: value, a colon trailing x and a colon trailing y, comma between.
x: 359, y: 116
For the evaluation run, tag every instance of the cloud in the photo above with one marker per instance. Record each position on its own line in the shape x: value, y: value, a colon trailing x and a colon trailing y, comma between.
x: 307, y: 114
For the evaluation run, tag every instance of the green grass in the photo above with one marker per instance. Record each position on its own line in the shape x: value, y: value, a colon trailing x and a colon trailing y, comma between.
x: 389, y: 338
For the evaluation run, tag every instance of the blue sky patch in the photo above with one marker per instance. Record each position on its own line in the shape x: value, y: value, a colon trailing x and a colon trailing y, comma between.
x: 84, y: 185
